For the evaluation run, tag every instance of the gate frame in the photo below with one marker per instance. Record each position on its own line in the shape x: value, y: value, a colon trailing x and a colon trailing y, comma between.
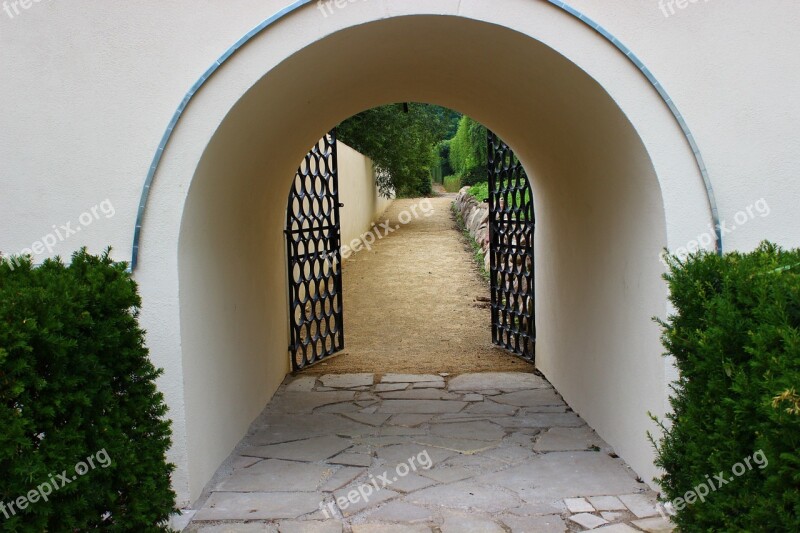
x: 325, y: 232
x: 511, y: 234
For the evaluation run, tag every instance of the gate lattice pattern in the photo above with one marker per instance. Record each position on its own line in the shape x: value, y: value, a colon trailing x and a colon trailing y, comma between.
x: 511, y: 225
x: 313, y: 242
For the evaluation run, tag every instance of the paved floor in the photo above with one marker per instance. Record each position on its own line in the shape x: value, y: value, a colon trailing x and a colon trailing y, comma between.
x: 483, y: 453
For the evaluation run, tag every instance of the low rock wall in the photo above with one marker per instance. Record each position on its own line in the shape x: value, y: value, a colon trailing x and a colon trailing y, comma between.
x: 476, y: 220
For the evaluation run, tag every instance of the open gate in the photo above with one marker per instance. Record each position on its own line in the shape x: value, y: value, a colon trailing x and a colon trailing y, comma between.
x: 511, y: 226
x: 313, y: 244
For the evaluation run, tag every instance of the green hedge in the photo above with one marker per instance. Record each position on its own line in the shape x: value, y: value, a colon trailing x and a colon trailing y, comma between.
x: 84, y: 437
x: 469, y: 152
x: 735, y: 336
x: 452, y: 184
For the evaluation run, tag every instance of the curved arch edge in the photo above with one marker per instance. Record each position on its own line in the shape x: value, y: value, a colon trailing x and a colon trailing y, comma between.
x: 301, y: 3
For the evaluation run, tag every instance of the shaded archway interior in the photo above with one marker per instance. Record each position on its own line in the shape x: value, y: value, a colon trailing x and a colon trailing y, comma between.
x: 600, y: 218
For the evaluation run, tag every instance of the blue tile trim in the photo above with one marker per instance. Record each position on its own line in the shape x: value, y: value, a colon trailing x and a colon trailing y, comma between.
x: 701, y: 165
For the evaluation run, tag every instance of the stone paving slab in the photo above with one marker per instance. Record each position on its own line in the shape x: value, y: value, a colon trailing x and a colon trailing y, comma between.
x: 412, y: 378
x: 409, y: 420
x: 420, y: 407
x: 578, y: 505
x: 606, y: 503
x: 503, y: 381
x: 490, y: 407
x: 469, y: 523
x: 542, y: 420
x: 390, y: 528
x: 303, y: 402
x: 258, y: 505
x: 535, y: 524
x: 480, y: 430
x: 642, y: 505
x: 588, y: 521
x: 530, y: 398
x: 347, y: 381
x: 402, y: 453
x: 277, y: 428
x: 560, y: 475
x: 275, y: 476
x: 466, y: 495
x: 300, y: 384
x: 235, y: 528
x: 390, y: 387
x: 352, y: 502
x: 399, y: 511
x: 568, y: 439
x: 294, y: 526
x: 655, y: 525
x: 612, y: 516
x: 467, y: 446
x: 343, y: 476
x: 374, y: 419
x: 618, y: 528
x: 420, y: 394
x: 313, y: 449
x: 351, y: 459
x: 478, y: 452
x: 429, y: 385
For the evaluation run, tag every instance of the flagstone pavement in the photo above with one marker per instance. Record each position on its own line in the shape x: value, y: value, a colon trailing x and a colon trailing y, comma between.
x: 483, y: 453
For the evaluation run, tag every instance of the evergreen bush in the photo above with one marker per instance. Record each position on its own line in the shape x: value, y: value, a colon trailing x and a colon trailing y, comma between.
x: 735, y: 337
x: 78, y: 398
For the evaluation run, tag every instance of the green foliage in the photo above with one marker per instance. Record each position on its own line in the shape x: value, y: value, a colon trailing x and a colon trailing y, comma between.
x: 480, y: 191
x: 735, y: 338
x: 75, y: 380
x: 477, y: 252
x: 452, y: 184
x: 437, y: 175
x: 449, y: 118
x: 401, y: 145
x: 469, y: 151
x: 444, y: 157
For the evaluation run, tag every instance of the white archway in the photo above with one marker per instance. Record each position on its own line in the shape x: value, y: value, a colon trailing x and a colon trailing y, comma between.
x: 613, y: 175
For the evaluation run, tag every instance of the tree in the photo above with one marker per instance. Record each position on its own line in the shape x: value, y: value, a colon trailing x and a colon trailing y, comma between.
x: 401, y: 140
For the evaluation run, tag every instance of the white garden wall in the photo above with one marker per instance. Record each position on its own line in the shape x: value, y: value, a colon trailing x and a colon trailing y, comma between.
x: 363, y: 203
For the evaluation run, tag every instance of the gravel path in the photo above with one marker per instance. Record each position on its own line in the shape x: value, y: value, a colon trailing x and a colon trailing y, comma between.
x: 411, y: 301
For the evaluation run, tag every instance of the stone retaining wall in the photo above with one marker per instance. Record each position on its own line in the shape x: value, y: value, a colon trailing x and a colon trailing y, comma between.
x: 476, y: 220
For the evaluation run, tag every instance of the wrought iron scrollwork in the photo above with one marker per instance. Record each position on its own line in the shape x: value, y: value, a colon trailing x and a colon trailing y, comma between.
x: 511, y: 231
x: 313, y: 243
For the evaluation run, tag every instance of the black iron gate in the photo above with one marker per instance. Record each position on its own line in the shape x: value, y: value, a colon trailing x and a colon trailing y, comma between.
x: 313, y: 243
x: 511, y: 225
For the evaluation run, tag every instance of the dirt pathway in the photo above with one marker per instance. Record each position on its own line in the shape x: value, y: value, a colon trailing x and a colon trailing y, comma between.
x: 410, y: 302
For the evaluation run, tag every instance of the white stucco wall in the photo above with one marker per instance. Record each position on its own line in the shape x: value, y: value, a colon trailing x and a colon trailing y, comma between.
x: 234, y: 320
x: 363, y: 203
x: 88, y: 87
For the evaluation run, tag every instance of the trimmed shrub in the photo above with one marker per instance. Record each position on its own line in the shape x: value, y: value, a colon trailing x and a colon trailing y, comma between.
x: 452, y: 184
x: 735, y: 337
x: 79, y: 400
